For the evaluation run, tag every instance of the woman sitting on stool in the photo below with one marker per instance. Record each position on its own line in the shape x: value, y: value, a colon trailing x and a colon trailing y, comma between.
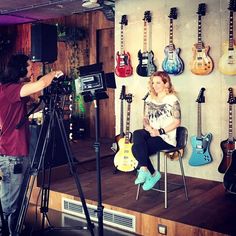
x: 162, y: 117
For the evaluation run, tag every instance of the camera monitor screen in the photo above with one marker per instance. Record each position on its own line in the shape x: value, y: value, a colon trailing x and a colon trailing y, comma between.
x: 90, y: 83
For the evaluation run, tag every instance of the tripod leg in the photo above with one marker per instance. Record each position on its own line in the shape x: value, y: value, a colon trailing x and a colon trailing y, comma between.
x: 73, y: 172
x: 31, y: 173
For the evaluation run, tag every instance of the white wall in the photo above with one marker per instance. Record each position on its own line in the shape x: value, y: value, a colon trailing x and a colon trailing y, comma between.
x: 214, y: 33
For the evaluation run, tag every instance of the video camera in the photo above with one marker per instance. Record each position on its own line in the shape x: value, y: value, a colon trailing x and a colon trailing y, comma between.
x: 59, y: 86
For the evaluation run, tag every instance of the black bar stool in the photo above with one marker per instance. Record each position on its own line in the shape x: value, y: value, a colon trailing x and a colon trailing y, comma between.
x: 174, y: 153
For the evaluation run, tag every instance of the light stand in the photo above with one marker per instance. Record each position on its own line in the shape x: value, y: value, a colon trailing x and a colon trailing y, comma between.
x: 92, y: 84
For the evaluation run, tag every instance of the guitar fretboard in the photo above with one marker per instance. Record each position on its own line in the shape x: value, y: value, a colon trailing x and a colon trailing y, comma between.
x: 199, y: 121
x: 171, y: 36
x: 127, y: 124
x: 121, y: 117
x: 231, y: 37
x: 230, y: 123
x: 145, y: 37
x: 199, y: 44
x: 121, y: 38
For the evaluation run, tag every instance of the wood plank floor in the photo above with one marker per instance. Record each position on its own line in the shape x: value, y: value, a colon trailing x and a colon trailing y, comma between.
x: 208, y: 207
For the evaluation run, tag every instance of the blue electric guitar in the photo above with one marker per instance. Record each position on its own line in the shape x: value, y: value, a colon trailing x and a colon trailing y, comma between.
x: 172, y: 63
x: 200, y: 143
x: 146, y: 66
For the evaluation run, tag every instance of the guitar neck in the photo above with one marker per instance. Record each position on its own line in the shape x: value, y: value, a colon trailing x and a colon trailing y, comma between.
x: 231, y: 36
x: 171, y: 35
x: 145, y: 37
x: 121, y: 38
x: 230, y: 123
x: 127, y: 124
x: 199, y: 43
x: 199, y: 121
x: 121, y: 117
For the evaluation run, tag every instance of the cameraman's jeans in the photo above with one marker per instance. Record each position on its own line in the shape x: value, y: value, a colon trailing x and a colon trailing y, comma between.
x: 10, y: 187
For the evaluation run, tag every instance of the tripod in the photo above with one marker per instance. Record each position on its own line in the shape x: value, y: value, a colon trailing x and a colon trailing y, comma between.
x: 52, y: 117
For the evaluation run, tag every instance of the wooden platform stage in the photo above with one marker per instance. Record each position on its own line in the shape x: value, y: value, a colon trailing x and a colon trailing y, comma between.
x: 209, y: 210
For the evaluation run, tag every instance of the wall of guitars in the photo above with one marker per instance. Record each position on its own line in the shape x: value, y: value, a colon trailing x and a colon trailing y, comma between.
x: 193, y: 41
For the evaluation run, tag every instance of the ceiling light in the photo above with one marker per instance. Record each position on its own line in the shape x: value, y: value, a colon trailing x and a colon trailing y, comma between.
x: 90, y: 3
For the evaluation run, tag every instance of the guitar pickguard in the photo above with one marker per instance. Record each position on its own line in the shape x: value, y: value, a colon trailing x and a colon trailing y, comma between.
x: 200, y: 155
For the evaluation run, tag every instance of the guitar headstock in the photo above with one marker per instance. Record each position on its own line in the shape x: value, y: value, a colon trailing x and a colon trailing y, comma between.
x: 147, y: 16
x: 201, y: 9
x: 201, y: 97
x: 173, y: 13
x: 231, y: 99
x: 122, y: 94
x: 124, y: 20
x: 232, y: 5
x: 129, y: 97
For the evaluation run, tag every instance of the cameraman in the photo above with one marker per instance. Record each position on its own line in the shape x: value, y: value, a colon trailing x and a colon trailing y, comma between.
x: 15, y: 88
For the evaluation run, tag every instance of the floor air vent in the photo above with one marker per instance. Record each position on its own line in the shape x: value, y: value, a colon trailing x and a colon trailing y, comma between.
x: 110, y: 217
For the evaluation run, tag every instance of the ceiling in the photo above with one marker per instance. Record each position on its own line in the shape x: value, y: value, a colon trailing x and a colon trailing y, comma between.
x: 25, y: 11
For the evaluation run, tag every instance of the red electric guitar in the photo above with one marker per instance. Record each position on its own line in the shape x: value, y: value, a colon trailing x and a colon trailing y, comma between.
x: 123, y: 67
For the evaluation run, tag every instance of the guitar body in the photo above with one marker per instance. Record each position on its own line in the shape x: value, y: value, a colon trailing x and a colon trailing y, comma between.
x: 172, y: 63
x: 230, y: 176
x: 146, y: 66
x: 123, y: 67
x: 124, y: 159
x: 227, y: 62
x: 119, y: 137
x: 200, y: 146
x: 227, y: 148
x: 201, y: 63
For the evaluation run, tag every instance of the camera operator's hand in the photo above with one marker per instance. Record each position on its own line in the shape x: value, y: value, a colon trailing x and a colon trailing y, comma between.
x: 33, y: 87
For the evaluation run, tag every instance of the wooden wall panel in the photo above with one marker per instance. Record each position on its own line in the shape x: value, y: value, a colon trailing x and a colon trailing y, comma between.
x: 91, y: 22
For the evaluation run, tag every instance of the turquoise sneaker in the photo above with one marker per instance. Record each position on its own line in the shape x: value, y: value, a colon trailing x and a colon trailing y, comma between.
x: 151, y: 181
x: 142, y: 176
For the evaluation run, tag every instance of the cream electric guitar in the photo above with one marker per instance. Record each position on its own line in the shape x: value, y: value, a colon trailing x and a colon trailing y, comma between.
x: 201, y: 63
x: 227, y: 63
x: 124, y: 159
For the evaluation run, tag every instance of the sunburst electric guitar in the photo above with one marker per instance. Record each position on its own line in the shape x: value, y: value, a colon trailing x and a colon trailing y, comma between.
x: 124, y: 159
x: 227, y: 62
x: 146, y: 65
x: 123, y: 67
x: 200, y: 143
x: 172, y: 63
x: 201, y: 63
x: 228, y: 145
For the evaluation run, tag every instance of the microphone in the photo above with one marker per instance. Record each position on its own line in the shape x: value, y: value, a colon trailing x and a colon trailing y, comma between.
x: 145, y: 97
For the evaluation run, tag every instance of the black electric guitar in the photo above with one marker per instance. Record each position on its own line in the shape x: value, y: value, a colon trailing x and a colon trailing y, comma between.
x: 124, y: 159
x: 228, y: 145
x: 146, y: 65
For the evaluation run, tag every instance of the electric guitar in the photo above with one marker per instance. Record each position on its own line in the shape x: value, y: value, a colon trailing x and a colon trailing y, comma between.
x: 229, y: 180
x: 124, y: 159
x: 227, y: 62
x: 200, y: 143
x: 123, y: 67
x: 172, y: 63
x: 228, y: 145
x: 201, y: 63
x: 146, y: 66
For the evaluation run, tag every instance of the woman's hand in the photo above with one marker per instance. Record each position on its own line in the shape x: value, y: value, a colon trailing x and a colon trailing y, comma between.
x: 154, y: 133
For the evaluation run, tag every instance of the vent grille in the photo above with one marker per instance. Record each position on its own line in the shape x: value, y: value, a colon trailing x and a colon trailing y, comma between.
x: 110, y: 217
